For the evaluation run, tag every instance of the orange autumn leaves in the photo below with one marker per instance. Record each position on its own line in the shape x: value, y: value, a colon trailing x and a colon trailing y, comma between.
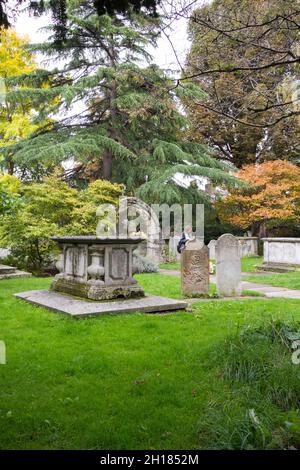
x: 272, y: 198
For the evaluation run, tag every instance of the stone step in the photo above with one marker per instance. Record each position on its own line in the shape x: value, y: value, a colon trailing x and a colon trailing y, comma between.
x: 7, y: 269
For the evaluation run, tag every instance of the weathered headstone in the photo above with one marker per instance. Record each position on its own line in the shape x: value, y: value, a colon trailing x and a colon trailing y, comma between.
x: 173, y: 242
x: 228, y: 266
x: 212, y: 249
x: 195, y: 269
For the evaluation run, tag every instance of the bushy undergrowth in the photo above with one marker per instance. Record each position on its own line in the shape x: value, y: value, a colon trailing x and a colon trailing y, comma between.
x: 261, y: 408
x: 46, y: 209
x: 142, y: 264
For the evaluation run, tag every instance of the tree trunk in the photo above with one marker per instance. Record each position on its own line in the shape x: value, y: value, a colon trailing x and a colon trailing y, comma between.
x: 263, y: 232
x: 107, y: 161
x: 11, y: 167
x: 107, y: 165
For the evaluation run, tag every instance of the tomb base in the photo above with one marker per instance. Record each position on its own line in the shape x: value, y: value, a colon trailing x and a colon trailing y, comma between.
x: 97, y: 291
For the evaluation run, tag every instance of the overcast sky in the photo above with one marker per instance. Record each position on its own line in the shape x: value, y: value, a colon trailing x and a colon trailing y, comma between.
x: 163, y: 55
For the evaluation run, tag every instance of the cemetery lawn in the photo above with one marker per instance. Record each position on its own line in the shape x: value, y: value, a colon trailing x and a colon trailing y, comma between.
x: 175, y: 266
x: 216, y: 377
x: 248, y: 264
x: 289, y: 280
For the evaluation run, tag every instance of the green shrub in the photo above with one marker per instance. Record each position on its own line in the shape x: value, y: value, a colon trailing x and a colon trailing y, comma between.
x: 9, y: 186
x: 141, y: 264
x: 47, y: 209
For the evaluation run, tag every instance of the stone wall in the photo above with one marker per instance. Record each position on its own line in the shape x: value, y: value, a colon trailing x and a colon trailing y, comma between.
x: 281, y: 253
x: 248, y: 246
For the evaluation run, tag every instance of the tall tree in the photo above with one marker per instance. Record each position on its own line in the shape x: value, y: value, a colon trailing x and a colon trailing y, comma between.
x: 250, y: 112
x: 270, y: 204
x: 116, y: 115
x: 58, y: 9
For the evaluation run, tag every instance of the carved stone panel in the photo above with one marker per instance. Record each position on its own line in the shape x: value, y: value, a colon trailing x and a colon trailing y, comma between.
x: 75, y: 261
x: 118, y: 264
x: 195, y: 269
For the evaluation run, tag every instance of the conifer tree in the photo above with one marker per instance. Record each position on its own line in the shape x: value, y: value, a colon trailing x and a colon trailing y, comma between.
x: 117, y: 113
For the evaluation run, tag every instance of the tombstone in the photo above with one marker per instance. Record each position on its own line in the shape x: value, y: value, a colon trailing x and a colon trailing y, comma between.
x: 96, y: 268
x: 228, y: 266
x: 212, y: 249
x: 195, y: 269
x: 173, y: 242
x: 249, y: 246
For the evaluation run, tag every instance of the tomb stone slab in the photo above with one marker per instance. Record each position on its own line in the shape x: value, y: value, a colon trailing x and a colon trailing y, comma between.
x: 79, y: 307
x: 10, y: 272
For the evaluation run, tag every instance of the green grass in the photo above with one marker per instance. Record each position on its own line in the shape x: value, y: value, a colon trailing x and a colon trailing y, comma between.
x: 288, y: 280
x: 166, y: 285
x: 169, y: 285
x: 248, y: 264
x: 252, y: 293
x: 144, y: 381
x: 175, y: 266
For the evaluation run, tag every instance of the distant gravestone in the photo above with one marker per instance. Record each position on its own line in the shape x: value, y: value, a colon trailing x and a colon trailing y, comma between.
x: 173, y: 242
x: 195, y: 269
x: 4, y: 252
x: 212, y: 249
x: 228, y: 266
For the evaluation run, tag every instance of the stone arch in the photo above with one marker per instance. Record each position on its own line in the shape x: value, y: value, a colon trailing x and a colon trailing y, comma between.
x: 145, y: 223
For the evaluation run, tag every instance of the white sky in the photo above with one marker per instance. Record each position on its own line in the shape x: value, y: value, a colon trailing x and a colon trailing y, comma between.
x: 163, y: 55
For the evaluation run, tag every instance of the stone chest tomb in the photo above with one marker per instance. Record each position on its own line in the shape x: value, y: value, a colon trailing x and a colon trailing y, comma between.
x: 95, y: 278
x: 96, y: 268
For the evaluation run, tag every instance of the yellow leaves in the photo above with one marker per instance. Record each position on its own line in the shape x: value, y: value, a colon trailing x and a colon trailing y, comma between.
x: 103, y: 191
x: 14, y: 58
x: 18, y: 127
x: 10, y: 183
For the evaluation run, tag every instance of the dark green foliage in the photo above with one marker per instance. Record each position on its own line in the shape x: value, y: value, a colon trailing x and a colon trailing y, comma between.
x: 213, y: 228
x: 8, y: 202
x: 121, y: 120
x: 58, y: 10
